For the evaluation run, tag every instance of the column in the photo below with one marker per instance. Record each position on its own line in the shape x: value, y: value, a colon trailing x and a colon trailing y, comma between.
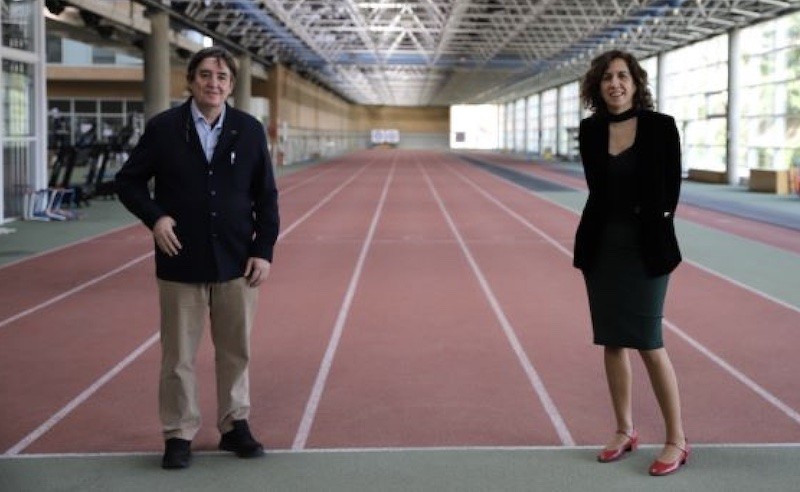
x: 157, y: 72
x: 243, y: 89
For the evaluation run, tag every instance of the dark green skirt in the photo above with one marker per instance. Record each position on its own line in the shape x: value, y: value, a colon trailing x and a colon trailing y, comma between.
x: 626, y: 304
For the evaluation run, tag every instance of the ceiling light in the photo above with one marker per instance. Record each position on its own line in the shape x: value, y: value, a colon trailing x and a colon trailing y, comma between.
x: 379, y: 5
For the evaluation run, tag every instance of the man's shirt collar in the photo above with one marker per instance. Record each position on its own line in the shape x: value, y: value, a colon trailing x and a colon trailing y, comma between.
x: 197, y: 115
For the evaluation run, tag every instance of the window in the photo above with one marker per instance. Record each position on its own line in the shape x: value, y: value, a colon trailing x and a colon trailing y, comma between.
x: 65, y: 51
x: 18, y: 139
x: 696, y: 94
x: 68, y: 119
x: 770, y: 95
x: 18, y: 22
x: 549, y: 117
x: 569, y: 115
x: 474, y: 126
x: 103, y: 56
x: 533, y: 124
x: 54, y: 48
x: 650, y: 65
x: 519, y: 125
x: 18, y: 101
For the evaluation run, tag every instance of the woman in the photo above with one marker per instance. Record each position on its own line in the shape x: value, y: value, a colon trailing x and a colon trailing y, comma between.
x: 625, y: 244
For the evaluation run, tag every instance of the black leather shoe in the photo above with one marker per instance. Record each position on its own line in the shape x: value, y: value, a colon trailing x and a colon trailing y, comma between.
x: 177, y: 454
x: 241, y: 441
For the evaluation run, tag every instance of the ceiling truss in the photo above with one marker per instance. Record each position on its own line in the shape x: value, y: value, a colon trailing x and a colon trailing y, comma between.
x: 443, y: 52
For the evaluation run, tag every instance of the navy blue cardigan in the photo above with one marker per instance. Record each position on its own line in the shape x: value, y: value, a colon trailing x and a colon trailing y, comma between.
x: 658, y: 177
x: 226, y: 210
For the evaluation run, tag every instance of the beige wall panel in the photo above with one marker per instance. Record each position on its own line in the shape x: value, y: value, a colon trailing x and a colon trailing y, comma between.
x: 178, y: 85
x: 102, y: 82
x: 359, y: 118
x: 302, y: 104
x: 261, y: 88
x: 93, y: 73
x: 307, y: 115
x: 406, y: 119
x: 330, y: 120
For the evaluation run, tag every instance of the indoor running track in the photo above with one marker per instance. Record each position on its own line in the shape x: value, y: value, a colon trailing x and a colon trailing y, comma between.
x: 416, y: 301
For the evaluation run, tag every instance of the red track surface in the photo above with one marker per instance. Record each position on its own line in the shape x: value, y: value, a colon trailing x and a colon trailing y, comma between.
x: 409, y: 293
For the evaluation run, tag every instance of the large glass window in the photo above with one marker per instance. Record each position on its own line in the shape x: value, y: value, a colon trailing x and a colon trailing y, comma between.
x: 74, y: 120
x: 519, y: 125
x: 54, y: 49
x: 64, y: 51
x: 501, y: 118
x: 549, y: 121
x: 532, y: 144
x: 569, y: 115
x: 18, y: 100
x: 474, y: 126
x: 650, y: 65
x: 508, y: 132
x: 18, y: 138
x: 103, y: 56
x: 18, y: 22
x: 770, y: 95
x: 696, y: 94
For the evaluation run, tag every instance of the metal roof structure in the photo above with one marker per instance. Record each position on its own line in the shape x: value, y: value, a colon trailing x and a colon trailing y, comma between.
x: 444, y: 52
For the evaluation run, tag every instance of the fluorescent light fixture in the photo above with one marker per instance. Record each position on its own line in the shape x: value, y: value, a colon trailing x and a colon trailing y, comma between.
x: 380, y: 5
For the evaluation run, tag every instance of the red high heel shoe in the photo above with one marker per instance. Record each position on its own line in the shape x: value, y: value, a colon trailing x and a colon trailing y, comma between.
x: 659, y: 468
x: 609, y: 455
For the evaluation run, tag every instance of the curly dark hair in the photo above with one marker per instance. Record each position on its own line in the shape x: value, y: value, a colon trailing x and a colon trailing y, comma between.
x: 221, y: 54
x: 590, y: 84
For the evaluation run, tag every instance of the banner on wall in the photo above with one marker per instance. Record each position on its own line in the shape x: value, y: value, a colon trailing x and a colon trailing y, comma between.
x: 382, y: 136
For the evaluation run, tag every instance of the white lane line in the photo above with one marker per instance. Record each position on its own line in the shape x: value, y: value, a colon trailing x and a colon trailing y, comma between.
x: 82, y: 397
x: 727, y: 367
x: 73, y: 290
x: 134, y: 223
x: 304, y: 182
x: 714, y: 273
x: 322, y: 202
x: 104, y: 276
x: 99, y: 383
x: 755, y: 387
x: 314, y: 398
x: 591, y: 447
x: 508, y: 329
x: 408, y: 449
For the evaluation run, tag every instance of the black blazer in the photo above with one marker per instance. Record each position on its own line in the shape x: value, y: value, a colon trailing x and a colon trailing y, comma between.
x: 658, y: 177
x: 226, y: 210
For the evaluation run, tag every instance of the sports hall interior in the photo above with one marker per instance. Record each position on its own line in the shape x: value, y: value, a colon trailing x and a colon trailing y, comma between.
x: 423, y: 328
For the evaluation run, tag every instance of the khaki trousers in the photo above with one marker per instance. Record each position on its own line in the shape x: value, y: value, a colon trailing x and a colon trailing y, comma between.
x: 185, y: 309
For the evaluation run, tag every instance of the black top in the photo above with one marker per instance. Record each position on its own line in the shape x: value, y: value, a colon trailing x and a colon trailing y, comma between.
x: 621, y: 175
x: 655, y: 189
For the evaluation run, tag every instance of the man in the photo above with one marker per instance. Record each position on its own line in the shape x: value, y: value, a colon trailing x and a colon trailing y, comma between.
x: 214, y: 218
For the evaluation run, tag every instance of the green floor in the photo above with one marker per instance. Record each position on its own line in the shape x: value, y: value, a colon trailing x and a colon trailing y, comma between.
x: 25, y: 238
x: 723, y: 469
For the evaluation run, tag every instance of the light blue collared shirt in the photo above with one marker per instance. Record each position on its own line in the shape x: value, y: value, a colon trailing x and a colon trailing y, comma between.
x: 209, y: 136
